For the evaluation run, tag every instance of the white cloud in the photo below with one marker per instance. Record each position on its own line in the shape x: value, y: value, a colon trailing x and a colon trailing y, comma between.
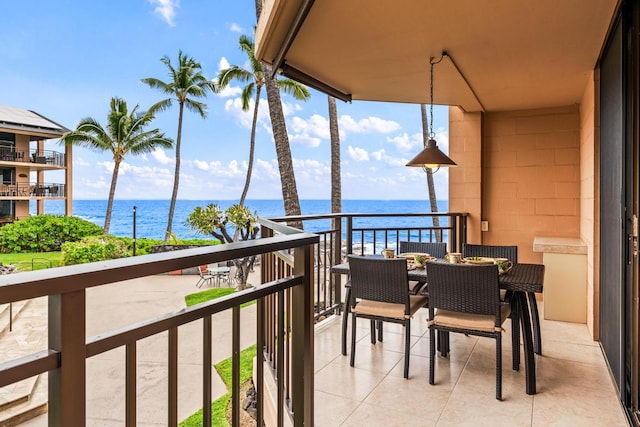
x: 201, y: 165
x: 309, y: 132
x: 230, y: 91
x: 166, y: 9
x: 235, y: 28
x: 406, y: 143
x: 161, y: 156
x: 223, y: 64
x: 368, y: 125
x: 234, y: 108
x: 358, y: 154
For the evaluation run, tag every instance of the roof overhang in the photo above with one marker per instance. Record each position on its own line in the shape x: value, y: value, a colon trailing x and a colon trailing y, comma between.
x: 27, y: 122
x: 508, y: 55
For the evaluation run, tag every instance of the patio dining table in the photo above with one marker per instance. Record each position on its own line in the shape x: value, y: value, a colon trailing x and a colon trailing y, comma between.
x: 522, y: 278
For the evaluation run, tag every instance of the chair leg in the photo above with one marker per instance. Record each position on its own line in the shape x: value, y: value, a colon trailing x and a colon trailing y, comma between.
x: 373, y: 331
x: 200, y: 282
x: 515, y: 336
x: 345, y: 320
x: 535, y: 319
x: 432, y: 354
x: 499, y: 367
x: 353, y: 340
x: 407, y: 343
x: 380, y: 323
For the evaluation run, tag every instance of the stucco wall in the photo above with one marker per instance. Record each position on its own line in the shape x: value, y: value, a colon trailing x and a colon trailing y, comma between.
x: 589, y: 129
x: 465, y: 180
x: 518, y: 170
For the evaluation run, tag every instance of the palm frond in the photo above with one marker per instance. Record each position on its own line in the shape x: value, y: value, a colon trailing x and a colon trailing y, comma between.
x: 295, y: 89
x: 247, y: 94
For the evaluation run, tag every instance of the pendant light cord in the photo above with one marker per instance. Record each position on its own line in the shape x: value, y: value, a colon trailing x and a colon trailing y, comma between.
x: 432, y: 134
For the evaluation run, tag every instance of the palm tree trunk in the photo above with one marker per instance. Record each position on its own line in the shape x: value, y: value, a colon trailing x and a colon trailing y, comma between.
x: 433, y: 201
x: 176, y: 177
x: 283, y: 150
x: 336, y: 185
x: 112, y: 192
x: 252, y: 147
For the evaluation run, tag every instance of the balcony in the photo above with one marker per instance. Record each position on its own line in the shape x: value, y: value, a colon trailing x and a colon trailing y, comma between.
x: 39, y: 158
x: 312, y: 380
x: 21, y: 191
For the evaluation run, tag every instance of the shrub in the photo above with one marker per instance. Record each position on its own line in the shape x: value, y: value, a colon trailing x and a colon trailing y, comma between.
x: 144, y: 245
x: 44, y: 233
x: 92, y: 249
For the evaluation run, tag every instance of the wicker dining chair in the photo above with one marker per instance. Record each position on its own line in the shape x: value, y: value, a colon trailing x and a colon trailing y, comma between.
x: 466, y: 299
x: 435, y: 249
x: 379, y: 293
x: 510, y: 252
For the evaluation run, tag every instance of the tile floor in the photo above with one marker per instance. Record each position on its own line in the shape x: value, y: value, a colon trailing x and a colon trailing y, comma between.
x: 573, y: 381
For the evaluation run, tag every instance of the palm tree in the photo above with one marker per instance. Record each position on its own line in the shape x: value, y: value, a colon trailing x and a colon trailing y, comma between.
x: 281, y: 138
x: 254, y: 77
x: 125, y: 133
x: 433, y: 201
x: 336, y: 185
x: 186, y: 83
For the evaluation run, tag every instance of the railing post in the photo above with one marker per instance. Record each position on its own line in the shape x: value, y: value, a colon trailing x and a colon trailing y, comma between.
x: 302, y: 321
x: 337, y: 259
x: 349, y: 235
x: 67, y: 384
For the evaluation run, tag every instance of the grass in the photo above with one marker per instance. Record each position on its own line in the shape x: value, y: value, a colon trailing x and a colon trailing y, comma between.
x: 24, y: 260
x: 219, y: 406
x: 209, y: 294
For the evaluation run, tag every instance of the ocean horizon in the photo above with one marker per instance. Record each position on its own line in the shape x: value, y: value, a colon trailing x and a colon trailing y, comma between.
x: 151, y: 215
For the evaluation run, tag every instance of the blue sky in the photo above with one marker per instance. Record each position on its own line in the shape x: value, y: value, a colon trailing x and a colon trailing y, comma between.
x: 65, y: 59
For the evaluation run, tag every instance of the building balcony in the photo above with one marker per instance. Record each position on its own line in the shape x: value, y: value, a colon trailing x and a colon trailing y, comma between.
x: 27, y: 191
x: 39, y: 159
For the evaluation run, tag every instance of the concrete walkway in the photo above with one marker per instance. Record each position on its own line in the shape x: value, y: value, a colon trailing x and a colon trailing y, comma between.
x: 117, y: 305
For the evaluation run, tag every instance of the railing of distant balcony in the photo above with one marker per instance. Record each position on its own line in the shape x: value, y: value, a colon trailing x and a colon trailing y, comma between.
x: 364, y: 233
x: 32, y: 189
x: 65, y: 357
x: 45, y: 157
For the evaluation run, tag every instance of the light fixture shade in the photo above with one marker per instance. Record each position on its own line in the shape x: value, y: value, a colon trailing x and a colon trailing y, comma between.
x: 431, y: 157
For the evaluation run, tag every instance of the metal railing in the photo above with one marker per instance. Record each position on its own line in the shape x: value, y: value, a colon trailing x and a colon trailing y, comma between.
x: 65, y: 357
x: 35, y: 190
x: 363, y: 233
x: 45, y: 157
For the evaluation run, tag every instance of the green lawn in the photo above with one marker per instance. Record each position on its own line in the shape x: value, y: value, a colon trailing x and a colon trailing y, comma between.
x: 39, y: 260
x: 209, y: 294
x: 219, y: 406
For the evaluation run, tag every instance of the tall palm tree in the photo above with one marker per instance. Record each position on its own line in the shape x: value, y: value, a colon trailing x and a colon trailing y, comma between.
x: 254, y: 77
x: 186, y: 83
x: 336, y: 185
x: 125, y: 133
x: 433, y: 201
x: 281, y: 138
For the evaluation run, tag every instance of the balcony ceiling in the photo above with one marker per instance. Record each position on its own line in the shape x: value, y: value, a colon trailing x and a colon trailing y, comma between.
x: 514, y: 55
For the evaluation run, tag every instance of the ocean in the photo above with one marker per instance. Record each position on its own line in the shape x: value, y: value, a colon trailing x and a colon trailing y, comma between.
x: 151, y: 215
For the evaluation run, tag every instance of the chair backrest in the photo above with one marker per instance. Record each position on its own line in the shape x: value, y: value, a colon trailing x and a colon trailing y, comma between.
x: 463, y: 288
x: 379, y: 279
x: 203, y: 269
x: 436, y: 249
x: 509, y: 252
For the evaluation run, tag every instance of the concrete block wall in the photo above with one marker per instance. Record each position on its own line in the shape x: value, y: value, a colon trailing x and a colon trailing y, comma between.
x: 518, y: 170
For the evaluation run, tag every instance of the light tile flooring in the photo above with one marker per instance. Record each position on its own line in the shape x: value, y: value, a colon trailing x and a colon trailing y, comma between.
x: 573, y: 382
